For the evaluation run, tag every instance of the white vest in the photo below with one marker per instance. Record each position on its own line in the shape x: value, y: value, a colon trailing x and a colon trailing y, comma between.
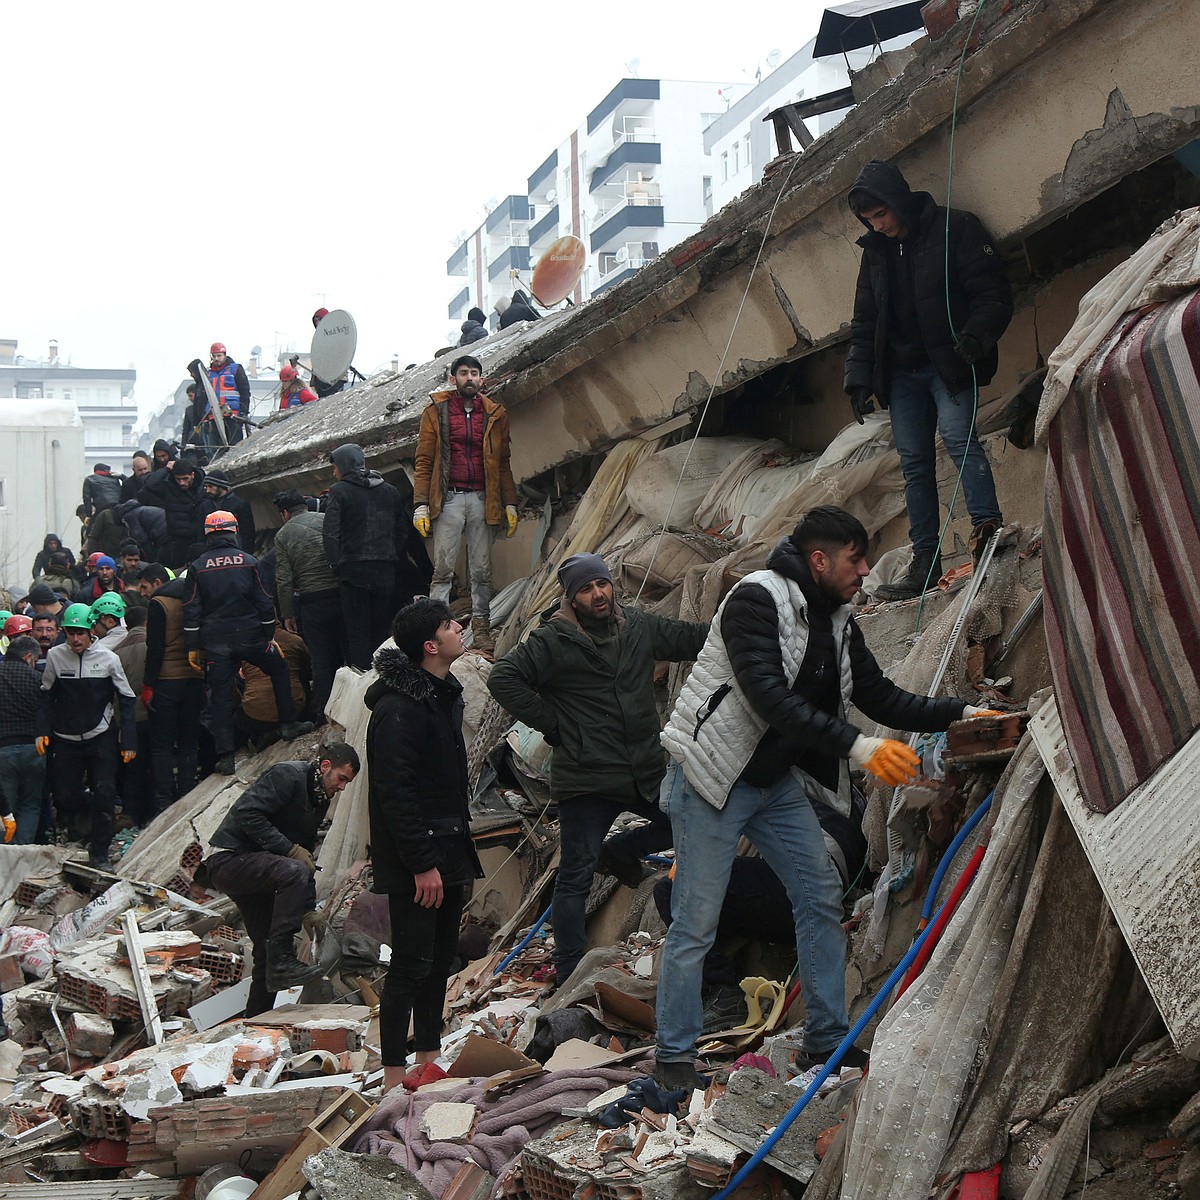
x: 713, y: 730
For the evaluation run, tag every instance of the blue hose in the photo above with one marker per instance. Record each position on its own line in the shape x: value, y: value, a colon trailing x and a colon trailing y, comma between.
x: 829, y: 1067
x: 524, y: 941
x: 951, y: 851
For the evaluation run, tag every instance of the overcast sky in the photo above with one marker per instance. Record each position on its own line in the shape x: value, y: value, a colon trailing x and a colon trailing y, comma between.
x: 178, y: 174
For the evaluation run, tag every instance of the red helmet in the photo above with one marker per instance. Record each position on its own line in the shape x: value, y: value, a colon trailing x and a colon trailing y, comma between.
x: 219, y: 521
x: 93, y: 558
x: 17, y: 625
x: 321, y: 312
x: 287, y: 374
x: 217, y: 348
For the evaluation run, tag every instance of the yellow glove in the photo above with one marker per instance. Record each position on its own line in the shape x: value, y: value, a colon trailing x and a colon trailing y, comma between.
x: 886, y: 759
x: 421, y: 519
x: 10, y: 827
x: 301, y: 855
x: 510, y: 515
x: 127, y: 756
x: 970, y: 712
x: 41, y: 744
x: 196, y: 661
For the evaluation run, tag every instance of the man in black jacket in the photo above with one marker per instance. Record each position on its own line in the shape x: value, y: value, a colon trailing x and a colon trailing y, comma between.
x: 229, y: 612
x: 366, y: 537
x: 421, y: 849
x: 219, y: 494
x: 101, y: 489
x: 177, y: 490
x: 261, y: 857
x: 931, y: 303
x: 758, y: 733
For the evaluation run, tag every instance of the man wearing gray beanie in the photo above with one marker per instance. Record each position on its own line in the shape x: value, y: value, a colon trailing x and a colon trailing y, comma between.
x: 585, y: 679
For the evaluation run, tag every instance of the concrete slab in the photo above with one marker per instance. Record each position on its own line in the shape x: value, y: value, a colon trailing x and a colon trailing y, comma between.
x: 338, y: 1175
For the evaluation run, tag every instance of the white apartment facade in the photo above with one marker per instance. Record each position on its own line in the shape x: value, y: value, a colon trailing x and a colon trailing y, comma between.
x: 103, y: 397
x: 630, y: 181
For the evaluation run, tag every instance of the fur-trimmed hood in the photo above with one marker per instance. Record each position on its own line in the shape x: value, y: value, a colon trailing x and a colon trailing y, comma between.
x: 398, y: 673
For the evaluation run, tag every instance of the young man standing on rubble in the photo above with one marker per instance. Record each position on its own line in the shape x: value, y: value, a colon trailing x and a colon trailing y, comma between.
x: 585, y: 679
x: 757, y: 734
x: 261, y: 857
x: 931, y: 303
x: 463, y: 481
x: 421, y: 849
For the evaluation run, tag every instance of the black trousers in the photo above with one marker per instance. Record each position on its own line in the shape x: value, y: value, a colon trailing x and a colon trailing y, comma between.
x: 96, y: 760
x: 174, y: 737
x: 323, y: 627
x: 368, y: 606
x: 223, y: 663
x: 273, y: 893
x: 424, y: 943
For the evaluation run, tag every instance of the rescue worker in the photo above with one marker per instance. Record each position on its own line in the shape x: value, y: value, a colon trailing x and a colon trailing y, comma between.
x: 292, y: 392
x: 229, y: 612
x: 261, y: 857
x: 107, y: 616
x: 83, y: 687
x: 463, y: 483
x: 231, y: 389
x: 219, y: 495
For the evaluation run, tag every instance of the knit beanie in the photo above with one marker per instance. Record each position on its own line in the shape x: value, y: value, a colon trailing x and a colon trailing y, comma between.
x: 581, y: 569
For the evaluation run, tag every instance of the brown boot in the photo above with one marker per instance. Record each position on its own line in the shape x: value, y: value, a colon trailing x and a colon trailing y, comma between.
x: 481, y: 635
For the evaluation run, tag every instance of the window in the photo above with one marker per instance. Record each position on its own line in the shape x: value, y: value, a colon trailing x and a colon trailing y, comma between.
x: 2, y: 503
x: 706, y: 188
x: 736, y: 165
x: 82, y: 395
x: 724, y: 166
x: 102, y: 395
x: 746, y: 149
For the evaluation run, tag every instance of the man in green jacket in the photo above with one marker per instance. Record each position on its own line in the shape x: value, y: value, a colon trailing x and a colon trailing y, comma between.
x: 585, y: 679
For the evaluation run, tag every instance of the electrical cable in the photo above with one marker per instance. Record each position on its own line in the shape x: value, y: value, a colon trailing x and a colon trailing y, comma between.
x: 962, y: 61
x: 947, y: 858
x: 525, y: 940
x: 829, y: 1066
x: 712, y: 391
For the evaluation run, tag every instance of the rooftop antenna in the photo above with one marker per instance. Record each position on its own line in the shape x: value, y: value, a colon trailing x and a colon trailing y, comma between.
x: 633, y: 66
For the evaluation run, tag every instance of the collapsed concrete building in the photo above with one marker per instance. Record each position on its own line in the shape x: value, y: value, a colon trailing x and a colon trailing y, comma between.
x: 1070, y: 127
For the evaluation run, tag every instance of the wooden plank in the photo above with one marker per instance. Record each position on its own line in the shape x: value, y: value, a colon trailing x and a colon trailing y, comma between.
x: 141, y: 976
x: 1144, y: 854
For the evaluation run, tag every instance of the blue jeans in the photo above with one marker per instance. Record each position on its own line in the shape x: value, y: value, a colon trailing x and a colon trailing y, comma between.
x: 22, y: 775
x: 920, y: 406
x: 781, y: 822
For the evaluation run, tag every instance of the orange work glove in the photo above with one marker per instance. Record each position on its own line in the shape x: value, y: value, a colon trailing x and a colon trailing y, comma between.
x: 886, y: 759
x: 10, y: 827
x: 196, y: 661
x: 127, y: 756
x: 41, y: 744
x: 970, y: 712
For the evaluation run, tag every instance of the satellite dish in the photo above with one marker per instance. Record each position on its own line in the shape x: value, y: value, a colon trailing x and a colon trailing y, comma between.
x: 623, y: 255
x: 773, y: 57
x: 551, y: 196
x: 256, y: 351
x: 334, y: 342
x: 558, y: 270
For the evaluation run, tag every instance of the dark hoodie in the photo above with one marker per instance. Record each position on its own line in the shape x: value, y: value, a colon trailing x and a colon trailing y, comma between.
x: 474, y: 328
x: 819, y: 733
x: 417, y: 790
x: 519, y: 310
x: 367, y: 520
x: 42, y: 561
x: 900, y: 303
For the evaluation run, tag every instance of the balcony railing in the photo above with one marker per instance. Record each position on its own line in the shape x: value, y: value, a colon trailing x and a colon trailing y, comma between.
x: 545, y: 225
x: 639, y: 213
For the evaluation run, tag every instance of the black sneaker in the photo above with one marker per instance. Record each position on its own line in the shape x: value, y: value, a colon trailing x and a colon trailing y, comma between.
x: 854, y: 1057
x: 678, y: 1076
x: 291, y: 730
x: 224, y: 765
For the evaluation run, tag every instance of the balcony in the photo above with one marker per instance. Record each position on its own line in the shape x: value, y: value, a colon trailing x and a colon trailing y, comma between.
x: 615, y: 277
x: 635, y: 212
x: 626, y: 90
x: 456, y: 264
x: 459, y: 303
x: 512, y: 208
x: 633, y: 151
x: 543, y: 177
x: 514, y: 258
x: 545, y: 227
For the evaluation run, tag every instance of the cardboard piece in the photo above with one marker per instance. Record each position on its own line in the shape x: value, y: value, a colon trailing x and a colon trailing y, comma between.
x: 483, y: 1057
x: 575, y: 1054
x: 621, y: 1012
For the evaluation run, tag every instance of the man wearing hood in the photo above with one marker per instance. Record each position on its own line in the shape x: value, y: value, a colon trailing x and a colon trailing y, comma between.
x: 585, y: 679
x: 177, y: 490
x: 758, y: 733
x: 464, y: 482
x: 365, y: 534
x: 474, y: 328
x: 931, y: 303
x: 219, y: 494
x: 519, y: 310
x: 421, y: 849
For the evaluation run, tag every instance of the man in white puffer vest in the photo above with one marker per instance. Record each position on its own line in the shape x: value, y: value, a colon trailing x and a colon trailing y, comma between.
x: 758, y: 730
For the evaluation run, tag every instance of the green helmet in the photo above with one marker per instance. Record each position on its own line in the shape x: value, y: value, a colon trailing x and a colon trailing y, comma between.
x: 78, y: 616
x: 4, y: 615
x: 108, y: 605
